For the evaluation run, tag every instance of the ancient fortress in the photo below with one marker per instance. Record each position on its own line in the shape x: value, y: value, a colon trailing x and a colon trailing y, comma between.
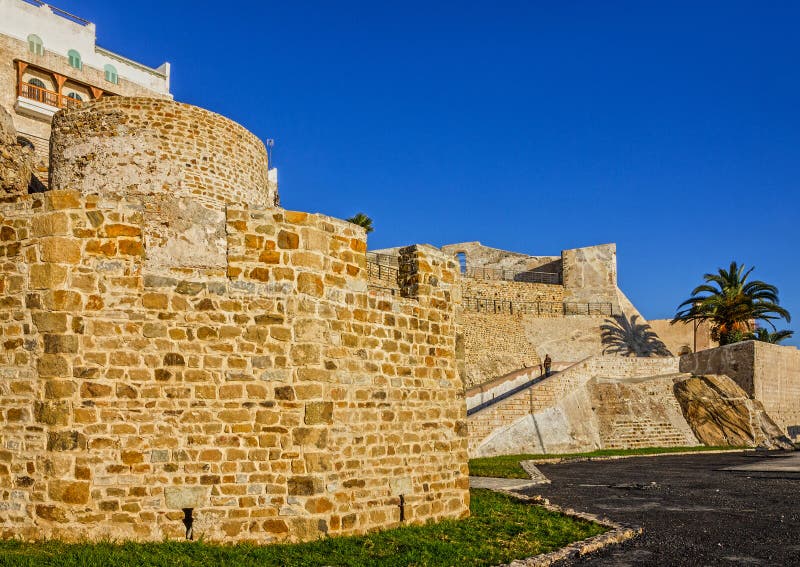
x: 179, y: 355
x: 182, y: 357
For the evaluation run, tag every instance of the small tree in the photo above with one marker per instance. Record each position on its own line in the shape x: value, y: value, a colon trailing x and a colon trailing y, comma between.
x: 731, y: 304
x: 363, y: 221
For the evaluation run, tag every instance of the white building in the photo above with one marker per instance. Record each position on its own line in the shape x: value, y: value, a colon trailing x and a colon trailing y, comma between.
x: 49, y: 59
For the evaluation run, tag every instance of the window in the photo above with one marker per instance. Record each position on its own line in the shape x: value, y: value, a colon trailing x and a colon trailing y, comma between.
x: 37, y: 83
x: 74, y: 59
x: 111, y: 74
x: 75, y: 96
x: 25, y: 142
x: 35, y: 44
x: 462, y: 262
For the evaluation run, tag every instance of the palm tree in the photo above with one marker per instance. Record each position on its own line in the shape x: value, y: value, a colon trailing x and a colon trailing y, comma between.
x: 763, y: 334
x: 732, y: 304
x: 363, y: 221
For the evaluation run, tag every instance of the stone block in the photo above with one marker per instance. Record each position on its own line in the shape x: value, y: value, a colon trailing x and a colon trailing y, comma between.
x: 60, y: 250
x: 47, y: 322
x: 65, y: 441
x: 55, y: 344
x: 69, y: 492
x: 318, y: 413
x: 47, y: 276
x: 311, y: 284
x: 53, y: 365
x: 52, y: 413
x: 304, y: 486
x: 288, y: 240
x: 180, y: 497
x: 52, y: 224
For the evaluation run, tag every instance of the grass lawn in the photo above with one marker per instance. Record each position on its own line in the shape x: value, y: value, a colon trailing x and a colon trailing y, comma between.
x: 507, y: 466
x: 500, y: 529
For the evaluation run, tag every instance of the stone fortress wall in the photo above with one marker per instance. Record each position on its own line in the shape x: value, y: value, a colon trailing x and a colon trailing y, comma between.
x: 171, y: 353
x: 517, y: 308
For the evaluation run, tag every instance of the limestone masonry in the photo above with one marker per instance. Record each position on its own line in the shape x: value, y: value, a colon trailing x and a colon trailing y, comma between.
x: 180, y: 353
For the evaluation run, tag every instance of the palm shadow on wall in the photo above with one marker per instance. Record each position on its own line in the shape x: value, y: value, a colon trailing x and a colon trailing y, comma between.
x: 628, y: 337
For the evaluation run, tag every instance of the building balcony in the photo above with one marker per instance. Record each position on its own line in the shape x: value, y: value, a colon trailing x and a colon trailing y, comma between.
x: 41, y: 102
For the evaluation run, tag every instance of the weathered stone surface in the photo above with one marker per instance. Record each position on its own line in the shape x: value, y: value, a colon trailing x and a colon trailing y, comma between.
x: 16, y: 162
x: 769, y: 373
x: 318, y: 413
x: 721, y: 413
x: 177, y: 498
x: 142, y: 379
x: 69, y: 492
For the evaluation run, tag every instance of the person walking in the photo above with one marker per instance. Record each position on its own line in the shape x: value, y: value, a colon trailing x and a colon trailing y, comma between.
x: 547, y: 364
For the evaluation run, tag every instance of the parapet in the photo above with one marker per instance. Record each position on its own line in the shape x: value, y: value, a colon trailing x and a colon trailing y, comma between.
x: 121, y: 146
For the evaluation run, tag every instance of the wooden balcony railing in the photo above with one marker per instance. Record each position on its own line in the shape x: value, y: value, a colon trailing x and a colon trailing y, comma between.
x: 26, y: 90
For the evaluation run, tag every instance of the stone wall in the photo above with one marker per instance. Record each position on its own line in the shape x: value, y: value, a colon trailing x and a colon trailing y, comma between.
x: 511, y: 291
x: 16, y: 161
x: 495, y: 342
x: 558, y: 413
x: 680, y: 338
x: 275, y: 396
x: 494, y: 345
x: 480, y: 256
x: 158, y: 148
x: 590, y: 274
x: 769, y: 373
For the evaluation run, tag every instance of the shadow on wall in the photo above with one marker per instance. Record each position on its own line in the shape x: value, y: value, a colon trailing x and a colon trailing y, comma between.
x: 627, y: 337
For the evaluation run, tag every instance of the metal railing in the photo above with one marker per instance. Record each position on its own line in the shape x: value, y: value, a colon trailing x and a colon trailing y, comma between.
x: 538, y: 308
x: 383, y: 259
x: 41, y: 146
x: 382, y: 272
x: 60, y: 12
x: 32, y: 92
x: 529, y: 276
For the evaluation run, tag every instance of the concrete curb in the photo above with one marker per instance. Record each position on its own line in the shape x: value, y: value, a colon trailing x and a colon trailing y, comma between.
x: 558, y: 460
x: 618, y: 533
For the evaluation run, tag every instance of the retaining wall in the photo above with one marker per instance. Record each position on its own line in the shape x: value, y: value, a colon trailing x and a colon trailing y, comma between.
x: 769, y: 373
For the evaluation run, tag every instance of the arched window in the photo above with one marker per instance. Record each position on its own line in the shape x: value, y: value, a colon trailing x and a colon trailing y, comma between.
x: 25, y: 142
x: 462, y: 262
x: 74, y: 59
x: 35, y: 44
x: 111, y: 74
x: 38, y: 93
x: 75, y: 96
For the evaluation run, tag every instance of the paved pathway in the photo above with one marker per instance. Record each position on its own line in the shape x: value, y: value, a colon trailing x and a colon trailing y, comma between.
x: 694, y: 511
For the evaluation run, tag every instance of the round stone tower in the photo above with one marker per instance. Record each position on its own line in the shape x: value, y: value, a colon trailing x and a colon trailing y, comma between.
x: 180, y: 165
x: 120, y: 147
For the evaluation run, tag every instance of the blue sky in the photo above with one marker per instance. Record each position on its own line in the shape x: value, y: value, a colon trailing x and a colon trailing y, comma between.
x: 670, y: 128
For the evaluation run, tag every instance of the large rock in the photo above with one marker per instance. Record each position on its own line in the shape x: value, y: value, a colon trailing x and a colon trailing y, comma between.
x: 16, y: 161
x: 721, y: 413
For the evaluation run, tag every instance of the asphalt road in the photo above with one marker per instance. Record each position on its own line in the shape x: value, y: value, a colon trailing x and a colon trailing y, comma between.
x: 692, y: 512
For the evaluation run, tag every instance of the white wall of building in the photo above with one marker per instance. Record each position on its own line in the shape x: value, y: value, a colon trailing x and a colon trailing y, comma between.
x: 18, y: 19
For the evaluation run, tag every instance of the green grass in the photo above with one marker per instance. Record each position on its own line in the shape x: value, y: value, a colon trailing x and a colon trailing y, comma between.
x: 499, y: 530
x: 507, y: 466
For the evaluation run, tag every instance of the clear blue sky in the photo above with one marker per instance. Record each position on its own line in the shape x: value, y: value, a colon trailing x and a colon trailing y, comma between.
x: 670, y: 128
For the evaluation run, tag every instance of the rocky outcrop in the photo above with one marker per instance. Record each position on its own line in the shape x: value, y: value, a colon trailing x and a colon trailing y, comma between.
x: 16, y: 161
x: 721, y: 413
